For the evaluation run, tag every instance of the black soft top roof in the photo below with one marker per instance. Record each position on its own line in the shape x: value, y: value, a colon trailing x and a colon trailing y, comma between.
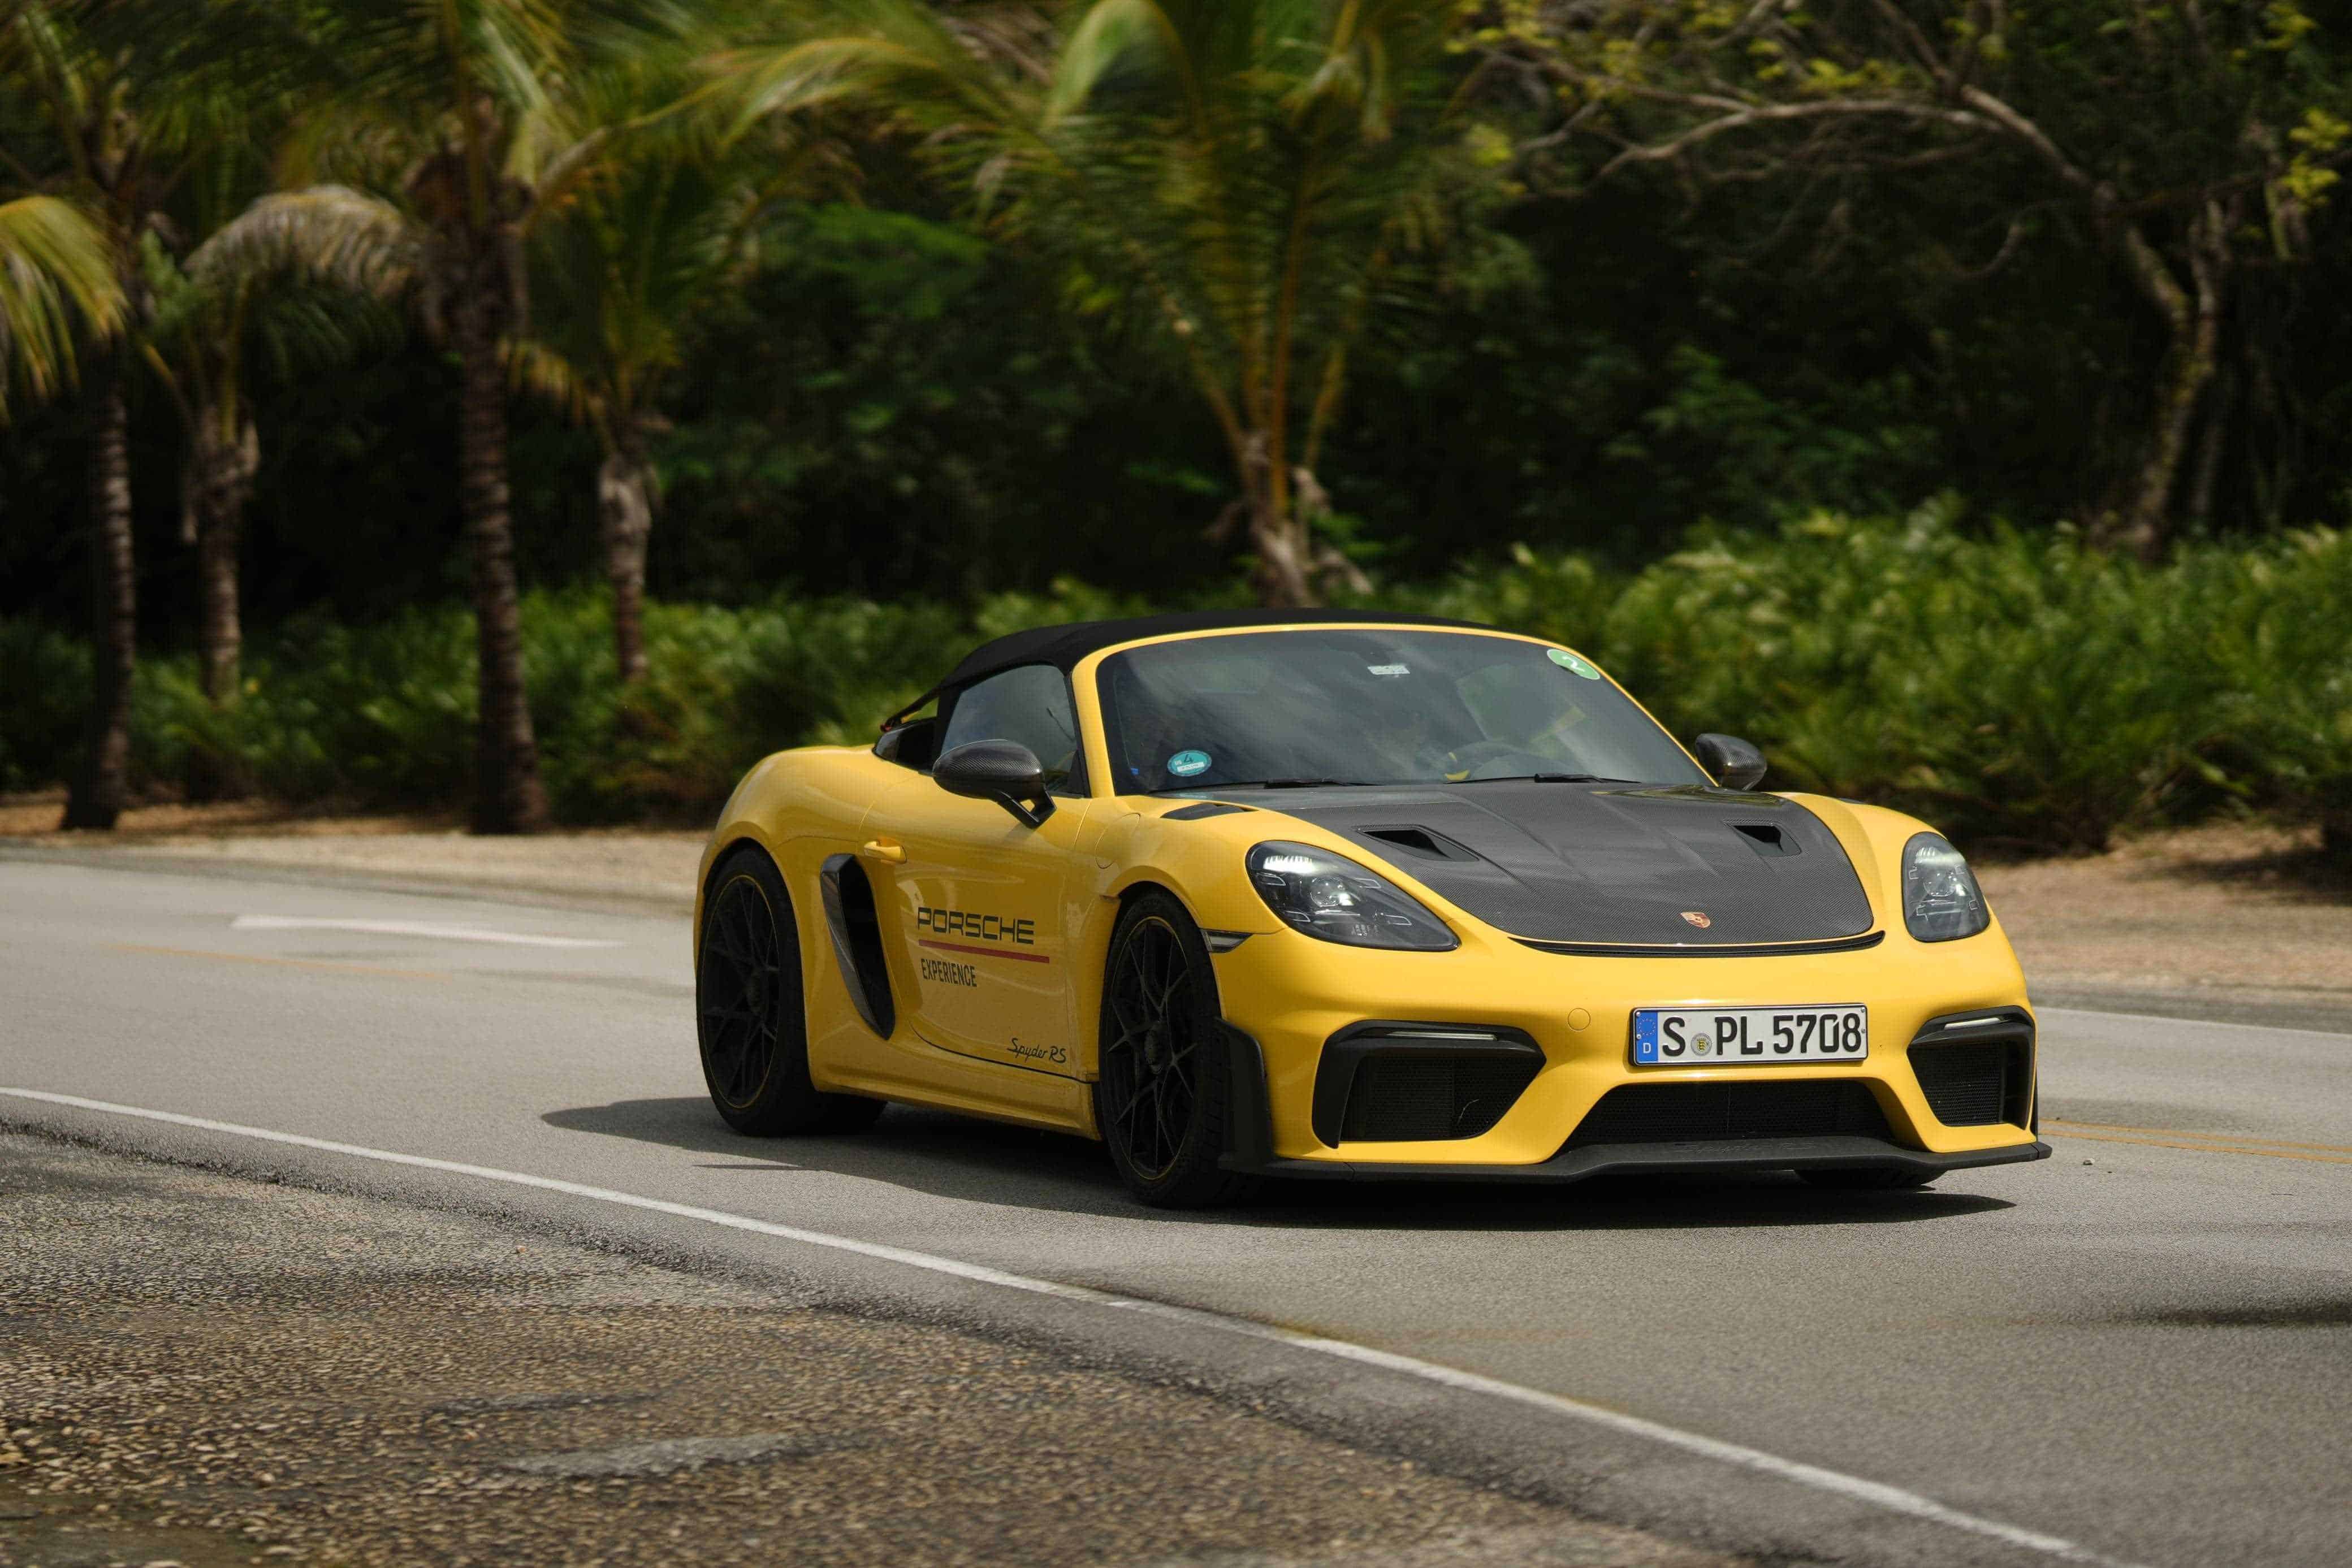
x: 1065, y: 646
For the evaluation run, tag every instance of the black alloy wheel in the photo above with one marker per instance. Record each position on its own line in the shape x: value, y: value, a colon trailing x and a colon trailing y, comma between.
x: 749, y: 1011
x: 1160, y: 1093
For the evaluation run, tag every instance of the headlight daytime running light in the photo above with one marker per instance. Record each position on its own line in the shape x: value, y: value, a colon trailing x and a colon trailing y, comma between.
x: 1334, y: 899
x: 1941, y: 901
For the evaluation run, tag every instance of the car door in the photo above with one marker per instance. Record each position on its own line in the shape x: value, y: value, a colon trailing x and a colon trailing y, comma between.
x: 977, y: 896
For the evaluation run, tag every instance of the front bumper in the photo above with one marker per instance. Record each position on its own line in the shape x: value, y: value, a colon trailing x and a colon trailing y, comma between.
x: 1296, y: 1001
x: 1251, y: 1149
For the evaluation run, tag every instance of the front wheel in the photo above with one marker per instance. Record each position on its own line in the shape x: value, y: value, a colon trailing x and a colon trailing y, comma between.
x: 1161, y: 1094
x: 748, y: 1013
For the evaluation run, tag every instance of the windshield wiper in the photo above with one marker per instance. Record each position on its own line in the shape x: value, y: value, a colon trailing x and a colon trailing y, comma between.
x: 1549, y: 778
x: 1291, y: 783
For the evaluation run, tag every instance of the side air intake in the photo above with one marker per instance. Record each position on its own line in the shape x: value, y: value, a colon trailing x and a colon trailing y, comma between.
x: 856, y: 932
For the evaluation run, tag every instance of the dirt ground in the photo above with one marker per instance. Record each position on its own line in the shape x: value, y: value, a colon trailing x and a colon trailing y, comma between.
x: 2237, y: 919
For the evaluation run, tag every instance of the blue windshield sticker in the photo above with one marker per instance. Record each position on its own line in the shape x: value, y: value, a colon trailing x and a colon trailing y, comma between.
x: 1568, y: 661
x: 1184, y: 764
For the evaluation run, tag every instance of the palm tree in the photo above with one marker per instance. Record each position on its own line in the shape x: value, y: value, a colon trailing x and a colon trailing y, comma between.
x: 117, y: 137
x: 215, y: 328
x: 617, y: 279
x: 463, y: 124
x: 56, y: 277
x: 1245, y: 186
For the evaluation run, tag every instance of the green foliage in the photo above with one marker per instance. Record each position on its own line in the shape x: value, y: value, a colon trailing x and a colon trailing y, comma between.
x: 2016, y: 689
x: 44, y: 687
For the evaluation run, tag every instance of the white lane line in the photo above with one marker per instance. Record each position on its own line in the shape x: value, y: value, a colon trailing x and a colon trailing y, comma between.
x: 412, y: 928
x: 1892, y: 1499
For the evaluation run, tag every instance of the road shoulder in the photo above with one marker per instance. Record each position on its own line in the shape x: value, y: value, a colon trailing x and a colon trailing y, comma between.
x: 213, y: 1370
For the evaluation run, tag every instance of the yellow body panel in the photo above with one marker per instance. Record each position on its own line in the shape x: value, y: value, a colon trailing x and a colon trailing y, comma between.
x: 998, y: 1018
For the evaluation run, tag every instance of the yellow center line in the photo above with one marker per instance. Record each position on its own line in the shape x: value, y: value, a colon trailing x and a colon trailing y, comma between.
x: 2213, y: 1148
x: 2208, y: 1137
x: 267, y: 958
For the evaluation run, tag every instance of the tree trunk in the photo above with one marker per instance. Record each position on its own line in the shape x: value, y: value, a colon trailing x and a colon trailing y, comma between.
x: 508, y: 794
x: 225, y: 473
x: 2221, y: 407
x: 624, y: 504
x: 221, y: 475
x: 101, y: 782
x: 1277, y: 532
x: 2143, y: 525
x: 1281, y: 575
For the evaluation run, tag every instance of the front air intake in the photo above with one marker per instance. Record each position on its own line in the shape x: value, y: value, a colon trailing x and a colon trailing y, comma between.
x: 1401, y: 1100
x: 1718, y: 1112
x: 1971, y: 1085
x: 1975, y: 1070
x: 1409, y: 1083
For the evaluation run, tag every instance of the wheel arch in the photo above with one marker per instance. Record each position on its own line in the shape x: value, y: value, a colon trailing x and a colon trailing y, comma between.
x: 722, y: 849
x: 1091, y: 956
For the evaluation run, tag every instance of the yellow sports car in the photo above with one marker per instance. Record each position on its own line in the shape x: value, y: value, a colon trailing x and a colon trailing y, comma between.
x: 1322, y: 893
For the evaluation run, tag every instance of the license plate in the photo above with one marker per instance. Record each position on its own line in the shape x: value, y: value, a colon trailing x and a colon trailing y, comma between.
x: 1749, y: 1036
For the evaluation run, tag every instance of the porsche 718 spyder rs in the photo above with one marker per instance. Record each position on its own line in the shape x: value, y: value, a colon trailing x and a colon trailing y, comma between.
x: 1333, y: 895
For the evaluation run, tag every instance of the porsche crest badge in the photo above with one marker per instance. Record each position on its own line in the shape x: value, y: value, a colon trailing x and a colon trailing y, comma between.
x: 1697, y: 917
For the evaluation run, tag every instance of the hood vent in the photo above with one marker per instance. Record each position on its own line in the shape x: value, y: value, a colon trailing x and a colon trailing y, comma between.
x: 1421, y: 843
x: 1613, y: 869
x: 1767, y: 839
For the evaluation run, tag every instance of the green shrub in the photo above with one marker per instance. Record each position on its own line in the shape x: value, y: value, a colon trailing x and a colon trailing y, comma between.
x: 44, y: 690
x: 2014, y: 688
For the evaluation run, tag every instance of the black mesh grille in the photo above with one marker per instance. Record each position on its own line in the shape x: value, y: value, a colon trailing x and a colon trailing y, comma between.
x: 1966, y: 1085
x: 1416, y: 1099
x: 1707, y: 1112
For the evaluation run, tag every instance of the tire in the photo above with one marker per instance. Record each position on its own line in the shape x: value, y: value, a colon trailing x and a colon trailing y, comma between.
x: 750, y: 1020
x: 1869, y: 1178
x: 1161, y: 1091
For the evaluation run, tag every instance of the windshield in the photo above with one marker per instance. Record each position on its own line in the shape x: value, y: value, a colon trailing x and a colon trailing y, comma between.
x: 1281, y: 708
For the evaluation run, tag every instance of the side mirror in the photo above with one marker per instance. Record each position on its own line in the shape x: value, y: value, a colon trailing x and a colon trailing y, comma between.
x: 1736, y: 764
x: 1005, y: 771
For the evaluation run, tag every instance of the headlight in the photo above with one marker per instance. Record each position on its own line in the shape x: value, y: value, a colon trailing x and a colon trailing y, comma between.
x: 1332, y: 897
x: 1941, y: 901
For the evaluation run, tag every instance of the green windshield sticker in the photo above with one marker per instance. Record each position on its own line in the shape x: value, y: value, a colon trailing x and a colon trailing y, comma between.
x: 1184, y: 764
x: 1568, y: 661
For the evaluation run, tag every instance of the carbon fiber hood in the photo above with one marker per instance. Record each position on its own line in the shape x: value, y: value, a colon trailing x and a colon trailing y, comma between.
x: 1612, y: 864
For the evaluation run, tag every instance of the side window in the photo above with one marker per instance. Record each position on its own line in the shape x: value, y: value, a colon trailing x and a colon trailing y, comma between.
x: 1030, y: 705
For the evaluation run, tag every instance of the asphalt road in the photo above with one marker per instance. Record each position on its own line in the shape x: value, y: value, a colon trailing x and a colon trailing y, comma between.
x: 2142, y: 1347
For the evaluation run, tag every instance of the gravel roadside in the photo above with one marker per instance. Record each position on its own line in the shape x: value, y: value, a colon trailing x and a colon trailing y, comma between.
x: 208, y: 1371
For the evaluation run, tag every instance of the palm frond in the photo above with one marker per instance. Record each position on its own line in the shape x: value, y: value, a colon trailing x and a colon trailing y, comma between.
x: 329, y: 232
x: 57, y: 273
x: 535, y: 368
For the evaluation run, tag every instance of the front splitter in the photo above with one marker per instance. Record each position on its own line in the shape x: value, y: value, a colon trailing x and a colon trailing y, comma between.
x: 1723, y: 1156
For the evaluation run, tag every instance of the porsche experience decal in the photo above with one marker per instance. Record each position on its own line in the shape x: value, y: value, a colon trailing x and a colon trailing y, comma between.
x: 1003, y: 934
x: 948, y: 972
